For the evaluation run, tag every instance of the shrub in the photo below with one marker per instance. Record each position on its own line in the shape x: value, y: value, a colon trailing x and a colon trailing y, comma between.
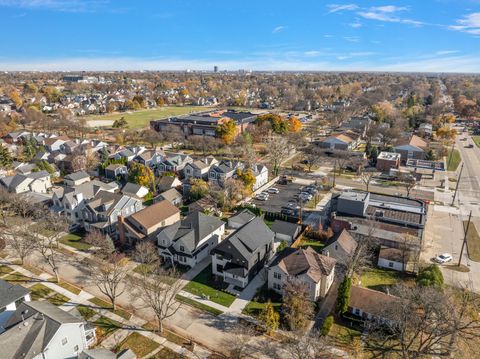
x: 343, y: 298
x: 327, y: 325
x: 430, y: 276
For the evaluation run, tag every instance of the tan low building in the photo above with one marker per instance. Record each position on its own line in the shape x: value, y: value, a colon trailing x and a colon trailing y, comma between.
x: 145, y: 223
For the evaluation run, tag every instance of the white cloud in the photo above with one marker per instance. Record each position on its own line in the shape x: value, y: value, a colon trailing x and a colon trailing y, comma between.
x: 57, y: 5
x: 355, y: 25
x: 328, y: 36
x: 352, y: 38
x: 346, y: 7
x: 469, y: 24
x: 432, y: 64
x: 387, y: 13
x: 311, y: 53
x: 278, y: 29
x: 446, y: 52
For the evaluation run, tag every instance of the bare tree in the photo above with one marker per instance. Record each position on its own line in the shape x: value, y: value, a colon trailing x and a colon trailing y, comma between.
x: 367, y: 177
x: 47, y: 235
x: 277, y: 148
x: 363, y: 253
x: 424, y: 322
x: 239, y: 342
x: 109, y: 275
x: 297, y: 307
x: 303, y: 345
x: 146, y: 252
x: 158, y: 291
x: 408, y: 181
x: 17, y: 236
x: 103, y: 244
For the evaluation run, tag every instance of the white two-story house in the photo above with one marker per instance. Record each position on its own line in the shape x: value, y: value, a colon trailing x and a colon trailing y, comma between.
x: 314, y: 270
x: 11, y: 296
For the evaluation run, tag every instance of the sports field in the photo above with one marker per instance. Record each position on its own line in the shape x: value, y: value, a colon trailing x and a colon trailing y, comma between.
x: 142, y: 118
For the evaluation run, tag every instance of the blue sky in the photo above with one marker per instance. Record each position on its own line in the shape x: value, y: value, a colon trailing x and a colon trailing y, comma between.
x: 413, y: 35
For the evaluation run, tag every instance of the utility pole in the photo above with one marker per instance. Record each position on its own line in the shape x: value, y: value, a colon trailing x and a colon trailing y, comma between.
x: 334, y: 172
x: 456, y: 186
x: 464, y: 238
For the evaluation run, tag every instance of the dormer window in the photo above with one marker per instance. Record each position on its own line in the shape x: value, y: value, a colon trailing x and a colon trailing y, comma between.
x: 182, y: 249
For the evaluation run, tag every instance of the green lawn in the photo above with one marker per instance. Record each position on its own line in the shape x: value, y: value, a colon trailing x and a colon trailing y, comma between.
x: 105, y: 326
x: 343, y: 336
x: 195, y: 304
x: 167, y: 353
x: 86, y: 311
x: 16, y: 277
x: 75, y: 240
x: 5, y: 270
x: 40, y: 291
x: 58, y: 299
x: 142, y: 118
x: 316, y: 245
x: 255, y: 307
x: 139, y: 344
x: 106, y: 305
x: 476, y: 140
x: 380, y: 279
x: 453, y: 160
x: 205, y: 284
x: 69, y: 287
x: 473, y: 242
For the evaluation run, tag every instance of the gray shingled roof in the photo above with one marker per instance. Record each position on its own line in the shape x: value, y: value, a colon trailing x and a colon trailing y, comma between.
x: 9, y: 293
x: 77, y: 175
x: 283, y: 227
x: 41, y: 321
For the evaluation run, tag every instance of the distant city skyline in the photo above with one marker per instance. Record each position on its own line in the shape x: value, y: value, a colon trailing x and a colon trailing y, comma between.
x: 306, y: 35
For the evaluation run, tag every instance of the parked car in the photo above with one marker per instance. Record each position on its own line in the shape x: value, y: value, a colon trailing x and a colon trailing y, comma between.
x: 305, y: 195
x: 261, y: 197
x: 469, y: 146
x: 444, y: 258
x: 273, y: 190
x: 287, y: 211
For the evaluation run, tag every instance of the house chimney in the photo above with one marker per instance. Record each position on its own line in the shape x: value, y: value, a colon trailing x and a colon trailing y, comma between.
x: 121, y: 230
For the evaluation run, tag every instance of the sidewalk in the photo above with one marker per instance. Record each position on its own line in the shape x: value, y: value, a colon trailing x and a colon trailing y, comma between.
x: 247, y: 294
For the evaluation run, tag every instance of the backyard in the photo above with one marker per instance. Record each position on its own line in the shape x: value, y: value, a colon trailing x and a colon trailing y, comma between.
x: 382, y: 279
x: 205, y: 284
x: 139, y: 344
x: 142, y: 118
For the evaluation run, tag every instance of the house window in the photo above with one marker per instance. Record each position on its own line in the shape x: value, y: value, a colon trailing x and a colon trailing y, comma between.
x: 75, y: 348
x: 19, y: 301
x: 64, y: 341
x: 357, y: 311
x: 336, y: 247
x: 277, y: 275
x: 182, y: 248
x: 390, y: 264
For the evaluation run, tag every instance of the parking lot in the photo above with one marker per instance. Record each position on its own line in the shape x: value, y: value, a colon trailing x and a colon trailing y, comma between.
x: 277, y: 201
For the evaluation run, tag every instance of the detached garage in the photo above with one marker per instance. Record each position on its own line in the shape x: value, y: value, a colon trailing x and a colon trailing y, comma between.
x: 393, y: 258
x: 285, y: 231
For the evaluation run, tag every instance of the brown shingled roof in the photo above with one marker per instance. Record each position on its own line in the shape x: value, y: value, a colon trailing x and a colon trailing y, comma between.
x: 152, y: 215
x: 370, y: 301
x: 295, y: 262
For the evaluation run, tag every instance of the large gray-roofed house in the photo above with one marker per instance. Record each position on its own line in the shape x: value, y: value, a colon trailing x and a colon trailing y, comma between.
x: 241, y: 218
x: 189, y: 241
x: 10, y: 297
x: 76, y: 178
x: 244, y: 253
x: 40, y: 327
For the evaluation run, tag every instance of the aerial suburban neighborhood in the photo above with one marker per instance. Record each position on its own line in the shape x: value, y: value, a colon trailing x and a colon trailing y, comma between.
x: 221, y: 212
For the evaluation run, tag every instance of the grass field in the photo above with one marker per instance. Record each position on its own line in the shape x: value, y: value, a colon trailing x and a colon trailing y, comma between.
x: 316, y: 245
x: 259, y: 302
x: 106, y: 305
x: 105, y: 326
x: 453, y: 160
x: 166, y: 353
x: 476, y: 140
x: 139, y: 344
x: 381, y: 279
x: 201, y: 306
x: 473, y: 242
x: 204, y: 284
x: 142, y: 118
x: 75, y: 240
